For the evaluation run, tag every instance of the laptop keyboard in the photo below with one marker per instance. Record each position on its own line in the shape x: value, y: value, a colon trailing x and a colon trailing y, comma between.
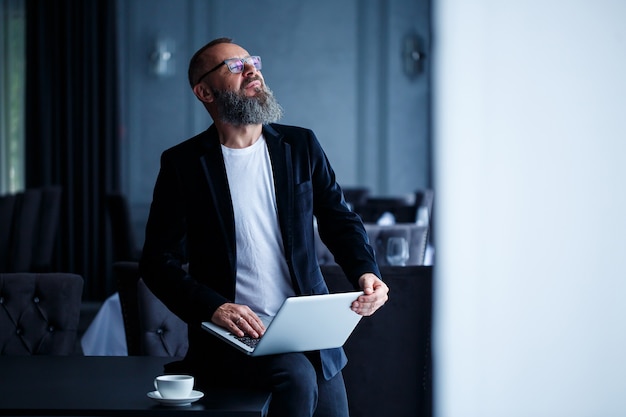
x: 250, y: 341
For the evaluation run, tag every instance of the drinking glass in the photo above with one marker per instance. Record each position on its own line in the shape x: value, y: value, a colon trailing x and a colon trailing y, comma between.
x: 397, y: 251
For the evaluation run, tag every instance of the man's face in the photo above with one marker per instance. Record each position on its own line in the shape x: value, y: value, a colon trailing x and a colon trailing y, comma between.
x: 239, y: 98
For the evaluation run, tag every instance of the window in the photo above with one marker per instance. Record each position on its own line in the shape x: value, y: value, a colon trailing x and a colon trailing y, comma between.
x: 12, y: 95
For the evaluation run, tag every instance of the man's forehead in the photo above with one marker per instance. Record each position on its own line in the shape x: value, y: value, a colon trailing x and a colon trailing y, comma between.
x: 223, y: 51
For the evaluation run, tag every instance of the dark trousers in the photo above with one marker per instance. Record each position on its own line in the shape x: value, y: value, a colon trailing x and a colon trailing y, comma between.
x: 296, y: 381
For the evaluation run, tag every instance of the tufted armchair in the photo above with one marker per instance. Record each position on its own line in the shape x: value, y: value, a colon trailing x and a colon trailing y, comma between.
x: 39, y: 313
x: 151, y: 328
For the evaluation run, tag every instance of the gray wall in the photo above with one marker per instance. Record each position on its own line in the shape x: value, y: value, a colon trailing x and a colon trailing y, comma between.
x: 335, y: 66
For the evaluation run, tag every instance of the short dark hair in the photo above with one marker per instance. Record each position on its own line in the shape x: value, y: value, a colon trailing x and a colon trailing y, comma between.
x: 197, y: 60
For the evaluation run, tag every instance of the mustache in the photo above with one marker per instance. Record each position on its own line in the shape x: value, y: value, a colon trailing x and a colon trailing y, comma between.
x: 249, y: 80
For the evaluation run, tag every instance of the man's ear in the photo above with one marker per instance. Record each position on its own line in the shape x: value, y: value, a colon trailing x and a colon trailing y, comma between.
x: 203, y: 93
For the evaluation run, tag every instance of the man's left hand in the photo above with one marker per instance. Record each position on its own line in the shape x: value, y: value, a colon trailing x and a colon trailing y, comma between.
x: 375, y: 295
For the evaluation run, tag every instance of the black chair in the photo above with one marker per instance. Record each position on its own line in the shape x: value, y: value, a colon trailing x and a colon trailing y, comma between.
x: 7, y: 210
x: 124, y: 244
x: 30, y: 222
x: 389, y: 353
x: 403, y: 209
x: 356, y: 196
x: 425, y: 213
x: 49, y: 216
x: 425, y: 199
x: 39, y: 313
x: 25, y: 233
x: 151, y: 328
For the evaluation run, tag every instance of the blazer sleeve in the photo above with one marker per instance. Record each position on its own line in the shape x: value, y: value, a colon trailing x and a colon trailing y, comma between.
x: 340, y: 229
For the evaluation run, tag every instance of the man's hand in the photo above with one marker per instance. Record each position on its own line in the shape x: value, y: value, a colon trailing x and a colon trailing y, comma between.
x: 375, y: 295
x: 239, y: 319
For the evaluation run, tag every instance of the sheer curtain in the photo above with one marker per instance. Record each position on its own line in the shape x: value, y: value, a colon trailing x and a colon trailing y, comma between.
x: 72, y: 129
x: 12, y: 94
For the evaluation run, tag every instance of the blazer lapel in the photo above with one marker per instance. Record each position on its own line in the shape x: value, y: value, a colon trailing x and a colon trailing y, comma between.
x: 280, y: 155
x: 215, y: 172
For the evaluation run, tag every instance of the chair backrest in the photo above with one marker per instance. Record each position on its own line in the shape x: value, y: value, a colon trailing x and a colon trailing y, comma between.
x: 24, y: 236
x: 7, y: 211
x: 124, y: 245
x: 162, y: 333
x: 49, y: 216
x: 30, y: 222
x: 39, y: 313
x: 403, y: 209
x: 356, y: 196
x: 151, y: 328
x: 425, y: 198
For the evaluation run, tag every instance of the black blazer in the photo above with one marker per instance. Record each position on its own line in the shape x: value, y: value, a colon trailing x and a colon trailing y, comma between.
x: 191, y: 221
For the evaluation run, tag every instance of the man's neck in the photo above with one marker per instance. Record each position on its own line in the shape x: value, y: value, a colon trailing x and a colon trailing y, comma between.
x: 238, y: 136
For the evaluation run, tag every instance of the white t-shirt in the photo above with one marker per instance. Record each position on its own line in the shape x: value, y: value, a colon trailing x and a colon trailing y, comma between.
x: 263, y: 280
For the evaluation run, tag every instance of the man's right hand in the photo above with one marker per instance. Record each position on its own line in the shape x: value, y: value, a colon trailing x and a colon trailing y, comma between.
x: 239, y: 319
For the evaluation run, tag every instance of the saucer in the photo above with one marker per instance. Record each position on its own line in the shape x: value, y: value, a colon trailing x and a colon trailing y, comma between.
x: 194, y: 396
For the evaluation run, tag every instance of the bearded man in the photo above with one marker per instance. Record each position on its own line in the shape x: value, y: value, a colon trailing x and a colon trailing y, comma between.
x: 230, y: 235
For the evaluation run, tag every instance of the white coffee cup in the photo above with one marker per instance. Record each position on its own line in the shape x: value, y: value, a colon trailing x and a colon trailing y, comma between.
x: 174, y: 386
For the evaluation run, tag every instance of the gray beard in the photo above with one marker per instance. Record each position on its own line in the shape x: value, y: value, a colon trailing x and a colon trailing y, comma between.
x: 237, y: 109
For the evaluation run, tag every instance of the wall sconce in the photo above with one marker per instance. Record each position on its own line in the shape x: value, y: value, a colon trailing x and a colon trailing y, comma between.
x: 412, y: 56
x: 162, y: 58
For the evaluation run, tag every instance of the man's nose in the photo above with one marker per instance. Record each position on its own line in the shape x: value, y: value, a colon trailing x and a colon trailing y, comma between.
x: 249, y: 69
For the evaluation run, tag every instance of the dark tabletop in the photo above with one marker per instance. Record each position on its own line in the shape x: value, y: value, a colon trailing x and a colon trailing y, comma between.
x: 104, y: 386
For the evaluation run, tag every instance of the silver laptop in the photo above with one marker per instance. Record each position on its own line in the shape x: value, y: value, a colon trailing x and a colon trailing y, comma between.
x: 302, y: 324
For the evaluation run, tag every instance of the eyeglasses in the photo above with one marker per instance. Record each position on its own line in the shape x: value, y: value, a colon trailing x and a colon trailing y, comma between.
x: 235, y: 65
